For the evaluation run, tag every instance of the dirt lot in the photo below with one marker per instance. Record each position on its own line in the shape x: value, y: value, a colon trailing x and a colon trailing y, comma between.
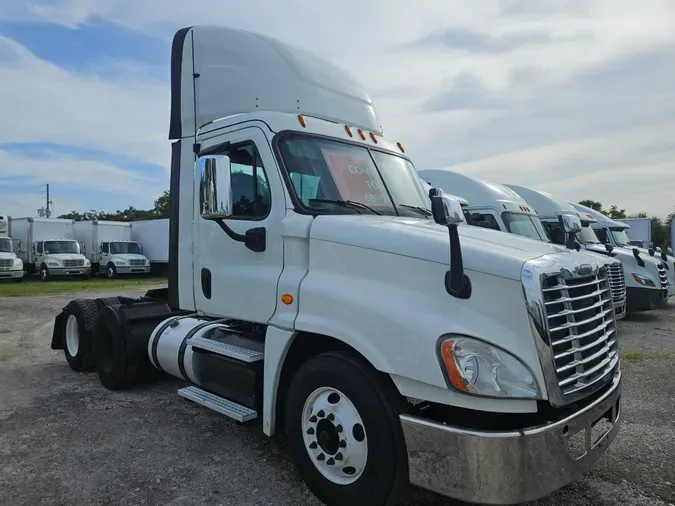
x: 64, y: 439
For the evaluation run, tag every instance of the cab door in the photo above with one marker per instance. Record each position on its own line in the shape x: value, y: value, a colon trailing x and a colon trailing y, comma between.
x: 232, y: 279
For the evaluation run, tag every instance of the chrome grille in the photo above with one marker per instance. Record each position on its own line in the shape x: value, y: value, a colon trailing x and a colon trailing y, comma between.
x: 617, y: 283
x: 6, y: 263
x: 73, y: 263
x: 663, y: 276
x: 582, y: 330
x: 136, y: 262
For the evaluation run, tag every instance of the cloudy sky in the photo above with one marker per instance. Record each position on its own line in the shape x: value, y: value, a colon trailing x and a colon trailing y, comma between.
x: 573, y: 97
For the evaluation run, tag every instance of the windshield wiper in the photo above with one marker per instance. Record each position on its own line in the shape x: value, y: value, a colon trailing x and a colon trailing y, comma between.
x: 419, y: 209
x: 348, y: 203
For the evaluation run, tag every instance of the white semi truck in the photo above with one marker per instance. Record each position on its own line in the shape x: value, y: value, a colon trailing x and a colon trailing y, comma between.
x: 48, y: 247
x: 498, y: 207
x: 613, y: 232
x: 11, y: 266
x: 110, y: 249
x: 389, y: 347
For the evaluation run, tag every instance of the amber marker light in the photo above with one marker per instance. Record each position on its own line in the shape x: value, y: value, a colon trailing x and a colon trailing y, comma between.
x: 451, y: 366
x: 301, y: 119
x: 287, y: 299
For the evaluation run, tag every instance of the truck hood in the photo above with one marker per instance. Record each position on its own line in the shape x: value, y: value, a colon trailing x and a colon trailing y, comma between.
x: 5, y: 255
x: 483, y: 250
x: 127, y: 256
x: 630, y: 265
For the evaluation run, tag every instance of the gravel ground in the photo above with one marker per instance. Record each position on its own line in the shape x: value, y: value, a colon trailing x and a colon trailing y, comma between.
x: 64, y: 439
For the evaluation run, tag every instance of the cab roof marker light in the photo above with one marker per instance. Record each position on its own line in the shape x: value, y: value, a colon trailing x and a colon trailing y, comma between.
x: 362, y: 134
x: 301, y: 119
x: 400, y: 146
x: 372, y: 136
x: 348, y: 129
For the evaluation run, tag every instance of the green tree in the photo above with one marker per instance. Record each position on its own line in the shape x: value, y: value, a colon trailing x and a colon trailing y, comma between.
x: 616, y: 213
x: 593, y: 204
x: 162, y: 205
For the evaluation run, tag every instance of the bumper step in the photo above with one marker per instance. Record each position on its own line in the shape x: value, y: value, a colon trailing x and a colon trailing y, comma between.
x: 227, y: 350
x: 220, y: 404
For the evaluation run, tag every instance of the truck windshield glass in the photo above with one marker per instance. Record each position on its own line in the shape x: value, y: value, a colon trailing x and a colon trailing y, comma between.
x: 121, y: 248
x: 6, y: 245
x: 525, y: 225
x: 55, y: 247
x: 587, y: 235
x: 620, y: 237
x: 323, y: 170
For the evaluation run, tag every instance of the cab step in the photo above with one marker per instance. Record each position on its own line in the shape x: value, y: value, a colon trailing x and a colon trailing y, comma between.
x: 227, y: 350
x: 220, y: 404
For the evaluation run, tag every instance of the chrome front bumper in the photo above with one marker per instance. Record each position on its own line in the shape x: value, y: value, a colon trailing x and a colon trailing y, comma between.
x: 132, y: 269
x: 69, y: 271
x: 513, y: 466
x: 620, y: 310
x: 15, y: 274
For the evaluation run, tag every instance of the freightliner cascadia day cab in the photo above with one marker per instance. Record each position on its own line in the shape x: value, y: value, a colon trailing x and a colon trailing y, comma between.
x: 110, y: 249
x: 613, y: 233
x: 495, y: 206
x: 636, y: 276
x: 48, y: 247
x: 11, y: 266
x: 310, y: 291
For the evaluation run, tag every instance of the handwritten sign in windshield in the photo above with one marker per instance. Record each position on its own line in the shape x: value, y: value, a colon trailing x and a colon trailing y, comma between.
x: 356, y: 179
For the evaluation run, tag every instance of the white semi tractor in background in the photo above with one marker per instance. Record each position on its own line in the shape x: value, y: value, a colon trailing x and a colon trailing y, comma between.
x: 613, y: 232
x: 389, y: 347
x: 110, y: 249
x: 11, y: 266
x: 643, y: 287
x: 498, y: 207
x: 48, y: 247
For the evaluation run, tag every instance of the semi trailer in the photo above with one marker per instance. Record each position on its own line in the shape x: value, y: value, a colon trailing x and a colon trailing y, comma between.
x: 48, y: 247
x: 11, y: 266
x: 388, y: 344
x: 109, y: 248
x: 498, y: 207
x: 613, y: 232
x: 639, y: 231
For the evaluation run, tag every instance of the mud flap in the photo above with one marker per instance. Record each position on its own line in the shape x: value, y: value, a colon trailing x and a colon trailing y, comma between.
x: 57, y: 333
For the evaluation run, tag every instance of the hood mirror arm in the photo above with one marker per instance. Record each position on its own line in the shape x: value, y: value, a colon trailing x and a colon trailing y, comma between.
x: 448, y: 212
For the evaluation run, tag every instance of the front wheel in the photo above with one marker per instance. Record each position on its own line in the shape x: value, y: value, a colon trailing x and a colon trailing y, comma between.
x: 110, y: 271
x: 44, y: 273
x: 343, y: 428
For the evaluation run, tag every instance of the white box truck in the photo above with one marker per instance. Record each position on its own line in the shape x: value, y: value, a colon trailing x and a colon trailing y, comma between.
x: 154, y: 235
x: 110, y: 248
x: 498, y: 207
x: 390, y: 345
x: 639, y: 231
x: 49, y: 248
x: 11, y: 266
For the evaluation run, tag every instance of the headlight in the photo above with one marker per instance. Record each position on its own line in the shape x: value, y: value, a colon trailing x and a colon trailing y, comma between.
x: 87, y: 263
x: 18, y: 262
x: 120, y: 262
x: 53, y: 264
x: 475, y: 367
x: 643, y: 280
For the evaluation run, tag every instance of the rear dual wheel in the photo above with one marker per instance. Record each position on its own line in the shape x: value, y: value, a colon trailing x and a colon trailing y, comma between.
x: 342, y: 423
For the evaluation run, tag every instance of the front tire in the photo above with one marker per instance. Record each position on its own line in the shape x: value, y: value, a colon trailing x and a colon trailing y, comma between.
x: 344, y: 432
x: 44, y: 273
x: 110, y: 271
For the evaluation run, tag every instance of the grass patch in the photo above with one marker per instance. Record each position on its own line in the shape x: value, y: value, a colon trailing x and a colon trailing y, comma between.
x: 638, y: 356
x: 32, y: 287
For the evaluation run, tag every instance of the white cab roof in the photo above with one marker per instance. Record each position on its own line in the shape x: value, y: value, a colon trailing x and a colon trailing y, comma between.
x: 232, y: 71
x: 479, y: 192
x: 545, y: 204
x: 602, y: 219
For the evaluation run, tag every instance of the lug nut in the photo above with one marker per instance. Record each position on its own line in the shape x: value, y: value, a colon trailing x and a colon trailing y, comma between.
x: 312, y: 419
x: 330, y: 462
x: 343, y: 444
x: 321, y: 414
x: 321, y: 457
x: 339, y: 428
x: 339, y: 456
x: 313, y: 445
x: 310, y: 431
x: 330, y: 417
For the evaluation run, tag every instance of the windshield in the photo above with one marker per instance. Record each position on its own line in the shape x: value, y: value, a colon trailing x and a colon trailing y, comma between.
x: 120, y: 248
x: 525, y: 225
x: 54, y: 247
x: 6, y: 245
x: 620, y: 236
x: 587, y: 235
x: 324, y: 170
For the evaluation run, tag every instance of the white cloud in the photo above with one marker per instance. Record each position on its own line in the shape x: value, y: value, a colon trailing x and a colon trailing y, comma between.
x: 521, y: 66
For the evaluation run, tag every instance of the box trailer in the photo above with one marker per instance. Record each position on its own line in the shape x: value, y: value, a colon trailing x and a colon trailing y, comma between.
x: 110, y: 249
x: 640, y: 231
x: 154, y: 235
x: 11, y: 266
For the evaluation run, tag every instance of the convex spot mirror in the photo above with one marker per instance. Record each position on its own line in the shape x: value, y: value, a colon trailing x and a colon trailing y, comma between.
x: 445, y: 209
x: 571, y: 223
x: 215, y: 187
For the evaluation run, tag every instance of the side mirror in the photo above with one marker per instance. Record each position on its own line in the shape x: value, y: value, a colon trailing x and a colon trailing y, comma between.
x: 215, y: 187
x: 140, y: 245
x: 445, y: 210
x: 448, y: 212
x: 571, y: 223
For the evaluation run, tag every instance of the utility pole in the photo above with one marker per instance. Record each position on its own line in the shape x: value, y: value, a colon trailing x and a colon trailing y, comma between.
x: 46, y: 212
